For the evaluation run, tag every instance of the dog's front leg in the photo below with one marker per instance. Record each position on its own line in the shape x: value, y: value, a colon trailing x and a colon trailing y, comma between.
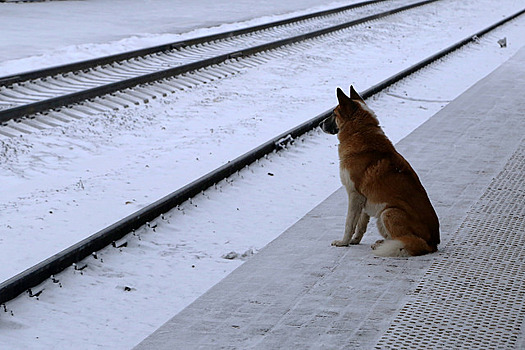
x: 360, y: 230
x: 356, y: 203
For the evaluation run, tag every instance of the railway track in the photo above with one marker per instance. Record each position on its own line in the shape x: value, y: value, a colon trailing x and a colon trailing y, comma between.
x: 33, y: 276
x: 46, y: 97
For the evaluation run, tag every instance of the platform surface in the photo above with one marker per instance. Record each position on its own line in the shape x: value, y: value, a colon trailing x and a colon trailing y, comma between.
x: 301, y: 293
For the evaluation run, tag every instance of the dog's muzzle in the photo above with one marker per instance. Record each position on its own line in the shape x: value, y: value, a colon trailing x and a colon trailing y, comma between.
x: 329, y: 125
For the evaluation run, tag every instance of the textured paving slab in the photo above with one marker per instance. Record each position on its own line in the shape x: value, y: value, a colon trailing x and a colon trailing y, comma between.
x: 473, y: 297
x: 299, y: 292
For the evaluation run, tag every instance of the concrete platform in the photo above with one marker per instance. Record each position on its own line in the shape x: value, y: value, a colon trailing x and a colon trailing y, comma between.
x: 301, y: 293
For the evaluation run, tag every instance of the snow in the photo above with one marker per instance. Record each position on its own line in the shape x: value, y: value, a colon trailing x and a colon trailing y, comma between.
x: 95, y: 28
x: 65, y: 183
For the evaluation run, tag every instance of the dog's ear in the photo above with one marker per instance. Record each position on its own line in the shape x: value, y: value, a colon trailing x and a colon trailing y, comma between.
x: 342, y: 98
x: 347, y: 105
x: 354, y: 95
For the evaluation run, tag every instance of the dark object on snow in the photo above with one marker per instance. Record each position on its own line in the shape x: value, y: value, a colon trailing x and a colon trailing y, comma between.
x: 79, y: 267
x: 35, y: 295
x: 502, y: 42
x: 120, y: 243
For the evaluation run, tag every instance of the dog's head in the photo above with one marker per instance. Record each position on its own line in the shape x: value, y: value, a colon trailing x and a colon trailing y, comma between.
x: 349, y: 109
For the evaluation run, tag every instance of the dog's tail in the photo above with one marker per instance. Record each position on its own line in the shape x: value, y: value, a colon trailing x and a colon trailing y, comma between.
x: 404, y: 246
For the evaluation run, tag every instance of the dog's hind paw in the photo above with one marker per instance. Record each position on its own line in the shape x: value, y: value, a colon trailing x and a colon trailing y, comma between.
x: 378, y: 243
x: 340, y: 243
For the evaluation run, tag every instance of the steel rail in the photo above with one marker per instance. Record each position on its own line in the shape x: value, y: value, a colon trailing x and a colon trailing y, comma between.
x: 37, y: 274
x: 88, y: 94
x: 87, y: 64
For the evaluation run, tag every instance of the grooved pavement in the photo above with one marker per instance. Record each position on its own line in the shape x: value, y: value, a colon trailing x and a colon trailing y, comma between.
x: 299, y: 292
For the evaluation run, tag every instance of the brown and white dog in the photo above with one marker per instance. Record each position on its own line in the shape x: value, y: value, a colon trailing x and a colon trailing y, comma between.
x: 379, y: 183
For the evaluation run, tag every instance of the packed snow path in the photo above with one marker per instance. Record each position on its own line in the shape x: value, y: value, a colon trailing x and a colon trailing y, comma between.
x: 299, y: 292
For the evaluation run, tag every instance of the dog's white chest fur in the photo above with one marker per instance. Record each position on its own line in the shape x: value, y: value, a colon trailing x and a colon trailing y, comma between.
x: 370, y: 208
x: 346, y: 180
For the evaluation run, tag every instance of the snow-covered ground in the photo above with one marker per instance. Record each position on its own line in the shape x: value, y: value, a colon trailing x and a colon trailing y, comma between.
x: 62, y: 184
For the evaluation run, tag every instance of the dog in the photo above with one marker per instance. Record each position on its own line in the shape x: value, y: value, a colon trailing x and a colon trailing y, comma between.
x: 380, y: 183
